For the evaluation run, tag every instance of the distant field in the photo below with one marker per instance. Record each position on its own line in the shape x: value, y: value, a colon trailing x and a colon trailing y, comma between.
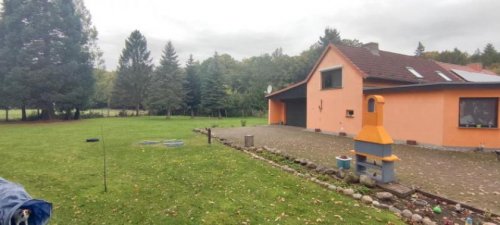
x: 15, y: 114
x: 194, y: 184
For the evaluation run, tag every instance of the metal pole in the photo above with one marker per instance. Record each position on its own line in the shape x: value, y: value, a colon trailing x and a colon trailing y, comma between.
x: 104, y: 162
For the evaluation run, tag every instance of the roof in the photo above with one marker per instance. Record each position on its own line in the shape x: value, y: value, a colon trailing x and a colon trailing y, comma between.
x: 393, y: 66
x: 476, y: 77
x: 468, y: 68
x: 298, y: 90
x: 385, y: 65
x: 433, y: 86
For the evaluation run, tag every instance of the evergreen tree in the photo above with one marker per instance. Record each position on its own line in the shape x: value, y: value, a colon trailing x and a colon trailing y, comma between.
x: 331, y: 36
x: 192, y: 86
x: 420, y: 49
x: 77, y: 64
x: 490, y: 55
x: 213, y: 92
x: 44, y: 46
x: 476, y: 57
x: 166, y: 91
x: 134, y: 73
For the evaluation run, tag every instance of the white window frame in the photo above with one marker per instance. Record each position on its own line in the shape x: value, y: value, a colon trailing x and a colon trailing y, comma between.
x: 443, y: 75
x: 414, y: 72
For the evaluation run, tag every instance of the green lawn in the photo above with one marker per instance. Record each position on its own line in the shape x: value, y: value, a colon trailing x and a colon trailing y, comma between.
x: 194, y: 184
x: 15, y: 114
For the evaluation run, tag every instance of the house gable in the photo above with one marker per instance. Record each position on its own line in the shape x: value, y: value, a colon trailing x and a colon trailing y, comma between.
x: 327, y: 109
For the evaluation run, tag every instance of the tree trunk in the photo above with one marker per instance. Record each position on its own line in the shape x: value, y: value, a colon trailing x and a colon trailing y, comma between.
x: 192, y: 113
x: 67, y: 114
x: 38, y: 113
x: 220, y: 115
x: 77, y: 114
x: 6, y: 114
x: 47, y: 114
x: 169, y: 113
x: 137, y: 110
x: 109, y: 105
x: 23, y: 113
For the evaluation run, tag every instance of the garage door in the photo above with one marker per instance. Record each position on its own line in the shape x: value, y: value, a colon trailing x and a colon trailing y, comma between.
x: 296, y: 112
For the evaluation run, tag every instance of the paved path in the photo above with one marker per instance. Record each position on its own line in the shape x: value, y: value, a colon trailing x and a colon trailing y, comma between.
x: 468, y: 177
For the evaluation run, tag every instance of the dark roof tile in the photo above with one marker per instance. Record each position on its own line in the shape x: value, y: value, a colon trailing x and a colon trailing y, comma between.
x: 389, y: 65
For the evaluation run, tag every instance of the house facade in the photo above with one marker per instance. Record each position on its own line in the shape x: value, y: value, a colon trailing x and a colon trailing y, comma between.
x: 426, y: 102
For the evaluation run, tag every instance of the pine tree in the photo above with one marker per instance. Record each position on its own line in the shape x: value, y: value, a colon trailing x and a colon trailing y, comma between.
x: 76, y: 65
x: 46, y: 52
x: 490, y: 55
x: 134, y: 73
x: 420, y: 50
x: 331, y: 36
x: 167, y: 91
x: 192, y: 85
x: 213, y: 92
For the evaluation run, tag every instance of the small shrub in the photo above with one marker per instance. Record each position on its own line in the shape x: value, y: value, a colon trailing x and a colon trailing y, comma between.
x: 363, y: 190
x: 122, y: 113
x: 214, y: 125
x: 32, y: 116
x: 91, y: 115
x: 243, y: 123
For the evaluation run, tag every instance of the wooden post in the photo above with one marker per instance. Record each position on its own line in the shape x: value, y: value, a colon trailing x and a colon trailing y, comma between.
x: 209, y: 136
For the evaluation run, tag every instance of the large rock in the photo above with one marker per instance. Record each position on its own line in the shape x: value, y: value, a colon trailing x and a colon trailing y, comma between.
x: 357, y: 196
x: 332, y: 187
x: 428, y: 221
x: 348, y: 191
x: 367, y: 181
x: 351, y: 178
x: 394, y: 210
x: 384, y: 196
x: 329, y: 171
x: 366, y: 199
x: 406, y: 214
x: 311, y: 165
x: 416, y: 218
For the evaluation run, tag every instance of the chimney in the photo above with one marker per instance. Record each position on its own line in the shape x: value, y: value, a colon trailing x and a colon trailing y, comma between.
x: 475, y: 66
x: 372, y: 47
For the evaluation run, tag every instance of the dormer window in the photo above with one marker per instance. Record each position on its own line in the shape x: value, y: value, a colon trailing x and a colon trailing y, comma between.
x: 414, y: 72
x: 443, y: 75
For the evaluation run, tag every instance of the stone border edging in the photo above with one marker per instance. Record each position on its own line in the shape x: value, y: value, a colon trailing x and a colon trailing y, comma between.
x: 405, y: 214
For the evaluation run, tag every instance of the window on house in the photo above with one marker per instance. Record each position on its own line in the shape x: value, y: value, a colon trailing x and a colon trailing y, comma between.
x: 349, y: 113
x: 414, y: 72
x: 443, y: 75
x: 478, y: 112
x: 331, y: 78
x: 371, y: 105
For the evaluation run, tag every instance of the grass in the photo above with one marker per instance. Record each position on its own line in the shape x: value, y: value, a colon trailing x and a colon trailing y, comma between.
x: 194, y: 184
x: 15, y: 114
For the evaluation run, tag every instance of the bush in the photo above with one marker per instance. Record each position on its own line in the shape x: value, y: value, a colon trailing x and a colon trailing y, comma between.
x: 123, y: 113
x: 91, y: 115
x: 243, y: 123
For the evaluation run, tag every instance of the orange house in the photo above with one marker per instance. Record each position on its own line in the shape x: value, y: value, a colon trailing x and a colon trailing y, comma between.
x: 426, y: 102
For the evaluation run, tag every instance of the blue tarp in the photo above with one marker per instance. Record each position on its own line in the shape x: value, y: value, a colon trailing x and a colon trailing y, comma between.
x: 13, y: 196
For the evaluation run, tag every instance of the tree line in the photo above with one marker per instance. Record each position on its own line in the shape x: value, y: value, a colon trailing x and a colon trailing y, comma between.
x: 218, y: 86
x: 489, y: 57
x: 49, y: 61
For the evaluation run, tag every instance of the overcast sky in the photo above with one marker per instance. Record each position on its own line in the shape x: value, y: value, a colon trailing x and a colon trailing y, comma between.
x: 249, y: 28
